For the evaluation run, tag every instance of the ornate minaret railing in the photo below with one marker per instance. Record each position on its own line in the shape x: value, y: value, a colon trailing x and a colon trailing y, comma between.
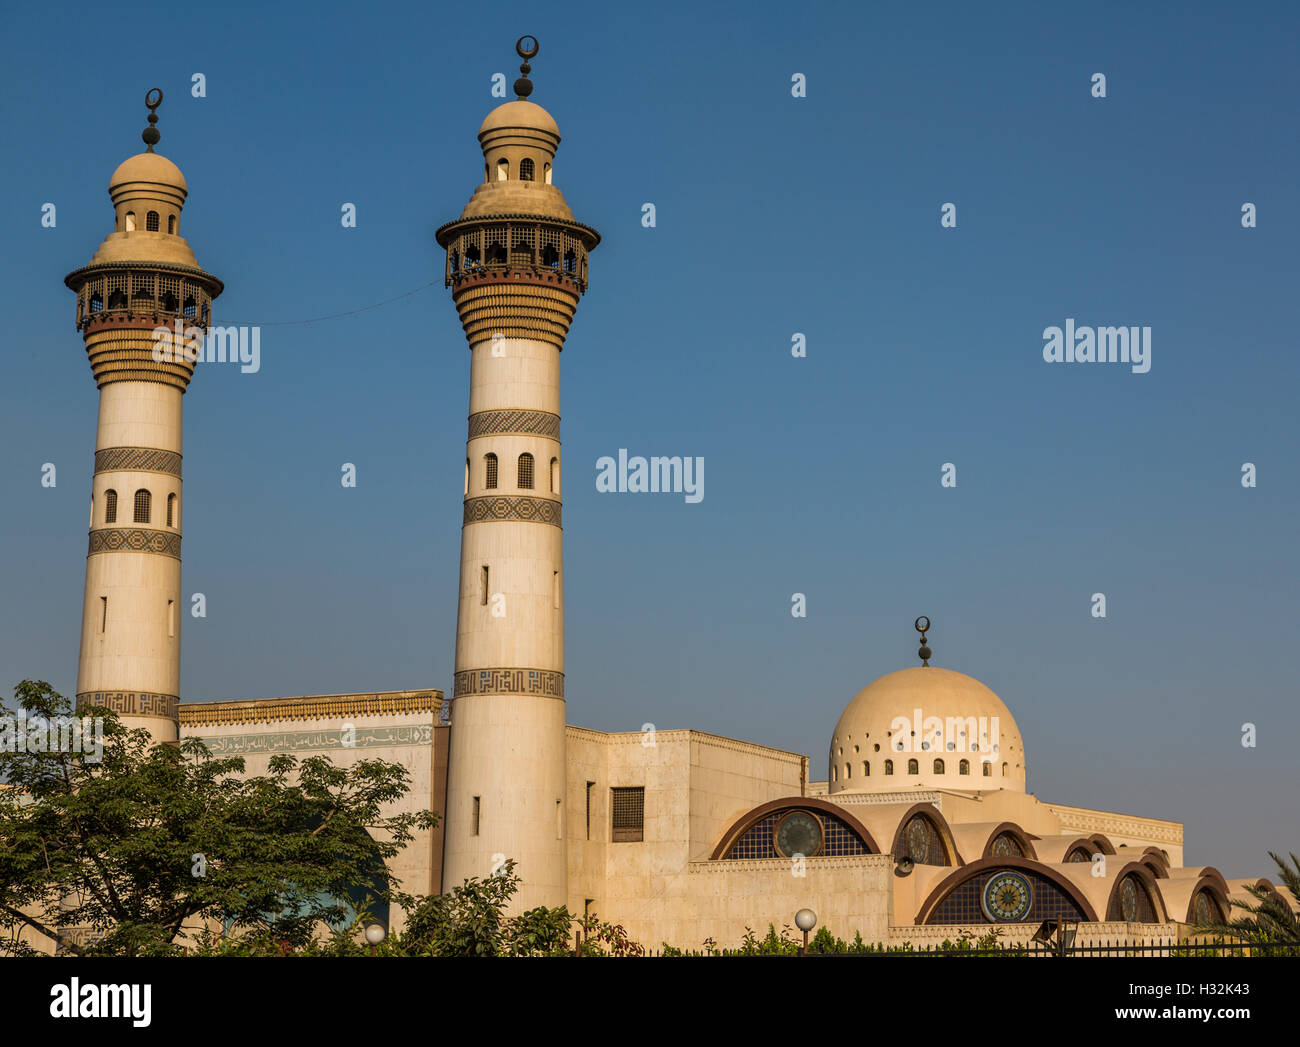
x: 517, y: 267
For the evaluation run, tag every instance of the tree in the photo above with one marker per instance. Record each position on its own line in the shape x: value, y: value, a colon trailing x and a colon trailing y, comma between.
x: 148, y: 841
x: 469, y: 920
x: 1269, y: 920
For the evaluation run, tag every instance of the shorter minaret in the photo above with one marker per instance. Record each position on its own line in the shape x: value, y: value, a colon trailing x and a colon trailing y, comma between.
x: 143, y: 277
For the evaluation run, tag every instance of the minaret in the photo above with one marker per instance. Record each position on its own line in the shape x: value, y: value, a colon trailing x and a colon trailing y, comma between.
x: 517, y: 266
x: 144, y: 276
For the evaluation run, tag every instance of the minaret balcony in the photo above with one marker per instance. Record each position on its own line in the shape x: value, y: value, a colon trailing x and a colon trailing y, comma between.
x: 148, y: 291
x: 495, y: 245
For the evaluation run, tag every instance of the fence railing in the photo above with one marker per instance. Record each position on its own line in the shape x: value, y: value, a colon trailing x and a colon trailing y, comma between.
x: 1171, y: 947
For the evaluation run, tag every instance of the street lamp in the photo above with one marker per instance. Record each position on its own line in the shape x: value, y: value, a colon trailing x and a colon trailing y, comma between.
x: 375, y: 933
x: 805, y: 920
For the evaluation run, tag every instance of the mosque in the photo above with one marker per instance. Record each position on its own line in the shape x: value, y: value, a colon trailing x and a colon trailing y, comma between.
x: 924, y: 827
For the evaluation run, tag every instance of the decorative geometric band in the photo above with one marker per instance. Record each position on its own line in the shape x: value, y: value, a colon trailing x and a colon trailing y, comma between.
x: 503, y: 507
x: 143, y: 459
x: 490, y: 423
x: 544, y: 682
x: 135, y: 540
x: 132, y: 703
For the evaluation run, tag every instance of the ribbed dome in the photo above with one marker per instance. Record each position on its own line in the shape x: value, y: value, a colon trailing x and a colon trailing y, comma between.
x: 149, y: 167
x: 875, y: 718
x: 519, y: 114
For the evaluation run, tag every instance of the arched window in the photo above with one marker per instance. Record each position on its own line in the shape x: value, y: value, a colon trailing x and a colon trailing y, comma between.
x: 1131, y: 902
x: 547, y: 169
x: 913, y: 767
x: 1004, y: 770
x: 188, y: 309
x: 526, y: 471
x: 490, y: 461
x: 938, y: 767
x: 866, y: 768
x: 96, y: 303
x: 889, y: 766
x: 110, y: 507
x: 921, y: 842
x: 835, y: 773
x: 483, y: 586
x: 1079, y: 854
x: 570, y: 262
x: 171, y: 223
x: 130, y: 221
x: 151, y: 222
x: 472, y: 259
x: 1007, y: 846
x: 550, y: 257
x: 988, y: 769
x: 526, y: 169
x: 503, y: 170
x: 963, y: 767
x: 142, y: 505
x: 555, y: 476
x: 171, y: 511
x: 496, y: 254
x: 117, y: 299
x: 1207, y: 908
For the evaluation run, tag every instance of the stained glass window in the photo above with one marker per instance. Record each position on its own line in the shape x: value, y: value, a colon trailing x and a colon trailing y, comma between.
x: 758, y: 841
x: 965, y: 902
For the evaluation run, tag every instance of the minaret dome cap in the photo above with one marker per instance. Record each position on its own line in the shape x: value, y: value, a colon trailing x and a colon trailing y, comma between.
x: 519, y: 115
x: 149, y: 168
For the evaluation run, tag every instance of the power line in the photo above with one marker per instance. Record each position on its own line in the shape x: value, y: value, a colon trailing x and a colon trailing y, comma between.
x: 331, y: 316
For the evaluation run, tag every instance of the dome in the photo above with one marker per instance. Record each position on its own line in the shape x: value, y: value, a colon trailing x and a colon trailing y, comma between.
x: 950, y: 717
x: 519, y: 115
x: 149, y: 167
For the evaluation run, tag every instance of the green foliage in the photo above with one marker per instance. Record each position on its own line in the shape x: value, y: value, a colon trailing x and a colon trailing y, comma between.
x: 826, y: 944
x: 600, y: 938
x: 783, y: 944
x: 152, y: 841
x: 470, y: 920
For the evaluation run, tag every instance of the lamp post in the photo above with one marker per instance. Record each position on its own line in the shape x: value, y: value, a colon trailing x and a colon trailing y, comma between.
x: 805, y: 920
x: 375, y: 933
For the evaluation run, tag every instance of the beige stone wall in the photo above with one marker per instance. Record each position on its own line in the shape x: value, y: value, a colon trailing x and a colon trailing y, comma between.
x: 1134, y: 831
x: 407, y: 739
x: 695, y: 785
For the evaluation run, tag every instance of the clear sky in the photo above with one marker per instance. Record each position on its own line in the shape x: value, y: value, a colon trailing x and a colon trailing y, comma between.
x: 775, y: 215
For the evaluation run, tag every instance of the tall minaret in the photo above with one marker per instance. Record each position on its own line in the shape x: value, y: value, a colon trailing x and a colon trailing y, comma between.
x: 517, y: 265
x: 144, y: 276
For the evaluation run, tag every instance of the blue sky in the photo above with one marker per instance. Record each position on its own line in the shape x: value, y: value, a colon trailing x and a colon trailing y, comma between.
x: 775, y: 215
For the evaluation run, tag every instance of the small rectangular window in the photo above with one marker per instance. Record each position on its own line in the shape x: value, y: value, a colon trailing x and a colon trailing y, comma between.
x: 171, y: 617
x: 559, y: 819
x: 103, y: 613
x: 555, y: 589
x: 473, y: 818
x: 483, y: 586
x: 627, y: 808
x: 590, y: 787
